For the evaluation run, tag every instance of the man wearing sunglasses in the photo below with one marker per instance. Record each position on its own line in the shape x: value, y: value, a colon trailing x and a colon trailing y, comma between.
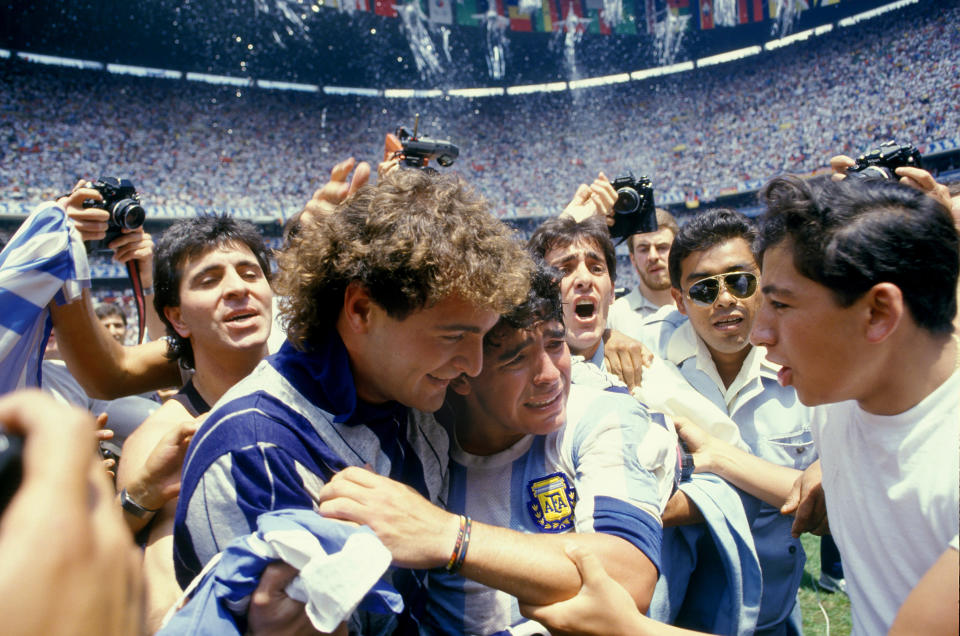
x: 715, y: 282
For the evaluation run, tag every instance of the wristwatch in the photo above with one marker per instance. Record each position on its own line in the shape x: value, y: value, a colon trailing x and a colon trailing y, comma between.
x: 132, y: 506
x: 686, y: 466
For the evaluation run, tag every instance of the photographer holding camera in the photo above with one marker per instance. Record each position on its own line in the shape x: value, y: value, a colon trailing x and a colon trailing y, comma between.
x: 101, y: 365
x: 45, y: 272
x: 903, y: 163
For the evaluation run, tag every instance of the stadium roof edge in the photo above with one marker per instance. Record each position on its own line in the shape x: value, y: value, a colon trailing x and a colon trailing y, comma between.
x: 474, y: 92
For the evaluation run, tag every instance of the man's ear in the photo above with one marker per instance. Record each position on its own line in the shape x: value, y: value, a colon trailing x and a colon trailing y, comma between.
x: 884, y: 301
x: 678, y: 298
x: 461, y: 384
x: 176, y: 320
x: 358, y: 307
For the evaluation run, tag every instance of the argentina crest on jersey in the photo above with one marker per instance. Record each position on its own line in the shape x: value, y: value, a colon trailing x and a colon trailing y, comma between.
x: 551, y: 503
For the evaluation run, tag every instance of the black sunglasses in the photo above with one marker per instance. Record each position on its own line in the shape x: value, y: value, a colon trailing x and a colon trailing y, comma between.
x: 706, y: 290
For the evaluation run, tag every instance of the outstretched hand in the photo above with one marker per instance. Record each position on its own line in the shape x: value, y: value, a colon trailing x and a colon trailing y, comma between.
x: 806, y: 500
x: 157, y: 481
x: 839, y: 165
x: 594, y: 199
x: 326, y: 199
x: 698, y: 442
x: 924, y: 181
x: 72, y: 568
x: 273, y: 612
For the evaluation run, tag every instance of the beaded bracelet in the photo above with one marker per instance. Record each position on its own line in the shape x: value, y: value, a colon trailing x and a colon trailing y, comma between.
x: 460, y: 548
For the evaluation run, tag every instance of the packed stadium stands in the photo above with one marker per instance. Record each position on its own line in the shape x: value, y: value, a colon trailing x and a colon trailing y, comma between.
x: 697, y: 134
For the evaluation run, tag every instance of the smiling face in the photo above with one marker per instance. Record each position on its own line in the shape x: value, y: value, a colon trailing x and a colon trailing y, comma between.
x: 115, y: 326
x: 225, y: 303
x: 649, y: 255
x: 809, y: 333
x: 413, y: 360
x: 521, y: 390
x: 724, y: 325
x: 586, y: 291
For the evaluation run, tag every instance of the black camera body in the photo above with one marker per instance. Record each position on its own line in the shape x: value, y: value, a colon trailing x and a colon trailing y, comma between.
x: 634, y: 211
x: 11, y: 466
x: 416, y: 151
x: 882, y: 162
x: 120, y: 199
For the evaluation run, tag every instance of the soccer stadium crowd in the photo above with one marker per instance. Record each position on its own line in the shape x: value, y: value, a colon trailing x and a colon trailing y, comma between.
x: 404, y: 417
x: 695, y: 134
x: 512, y: 449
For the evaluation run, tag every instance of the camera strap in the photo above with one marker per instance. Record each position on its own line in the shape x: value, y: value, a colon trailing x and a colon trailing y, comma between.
x: 133, y: 270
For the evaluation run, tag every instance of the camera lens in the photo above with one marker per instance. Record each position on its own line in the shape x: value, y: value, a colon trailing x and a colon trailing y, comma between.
x: 128, y: 214
x: 627, y: 201
x: 872, y: 172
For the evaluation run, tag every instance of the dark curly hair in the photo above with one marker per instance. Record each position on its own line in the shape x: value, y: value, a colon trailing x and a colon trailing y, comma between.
x: 412, y: 240
x: 542, y: 302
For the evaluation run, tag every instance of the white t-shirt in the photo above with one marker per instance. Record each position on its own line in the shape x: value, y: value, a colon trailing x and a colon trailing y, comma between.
x: 892, y: 496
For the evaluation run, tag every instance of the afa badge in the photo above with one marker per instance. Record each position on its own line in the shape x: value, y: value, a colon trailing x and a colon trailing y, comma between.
x: 551, y: 503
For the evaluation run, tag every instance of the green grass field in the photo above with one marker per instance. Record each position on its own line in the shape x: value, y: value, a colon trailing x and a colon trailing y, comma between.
x: 837, y: 606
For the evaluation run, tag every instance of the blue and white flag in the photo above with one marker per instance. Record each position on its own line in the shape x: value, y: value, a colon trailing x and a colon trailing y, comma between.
x: 340, y: 567
x: 45, y: 260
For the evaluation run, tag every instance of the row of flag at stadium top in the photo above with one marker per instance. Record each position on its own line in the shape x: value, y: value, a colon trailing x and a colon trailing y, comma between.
x: 551, y: 15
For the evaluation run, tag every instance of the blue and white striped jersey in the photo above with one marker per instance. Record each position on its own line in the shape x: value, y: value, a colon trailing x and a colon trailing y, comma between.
x: 278, y: 435
x: 609, y: 469
x: 45, y: 260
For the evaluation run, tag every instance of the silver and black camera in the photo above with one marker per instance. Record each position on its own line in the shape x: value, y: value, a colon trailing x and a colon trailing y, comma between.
x: 120, y: 199
x: 634, y: 211
x: 882, y: 162
x: 416, y: 152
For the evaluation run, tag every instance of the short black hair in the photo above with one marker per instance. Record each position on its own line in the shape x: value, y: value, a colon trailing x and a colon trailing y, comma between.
x: 562, y: 231
x: 105, y: 310
x: 850, y: 235
x: 188, y: 239
x: 704, y: 231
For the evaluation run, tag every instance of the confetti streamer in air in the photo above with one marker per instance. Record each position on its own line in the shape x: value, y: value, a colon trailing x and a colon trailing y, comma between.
x: 668, y: 37
x: 613, y: 12
x: 495, y: 40
x: 787, y: 13
x: 725, y: 12
x: 418, y: 38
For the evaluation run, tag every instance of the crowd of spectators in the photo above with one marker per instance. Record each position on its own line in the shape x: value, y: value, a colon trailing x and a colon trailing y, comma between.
x: 696, y: 133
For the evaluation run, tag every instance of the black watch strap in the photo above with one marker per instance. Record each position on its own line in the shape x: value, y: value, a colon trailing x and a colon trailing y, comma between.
x: 132, y: 506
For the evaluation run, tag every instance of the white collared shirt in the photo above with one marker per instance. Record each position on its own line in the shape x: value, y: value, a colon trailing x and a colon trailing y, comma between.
x: 629, y: 313
x: 772, y: 421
